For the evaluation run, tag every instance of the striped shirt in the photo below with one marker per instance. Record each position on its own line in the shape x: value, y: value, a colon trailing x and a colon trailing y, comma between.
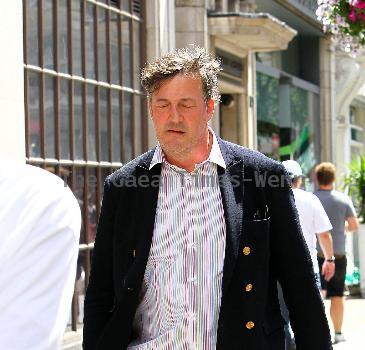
x: 181, y: 290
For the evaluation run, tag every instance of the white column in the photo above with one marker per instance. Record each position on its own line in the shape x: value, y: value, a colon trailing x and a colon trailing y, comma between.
x: 167, y: 25
x: 248, y: 107
x: 191, y: 23
x: 12, y: 120
x: 327, y: 97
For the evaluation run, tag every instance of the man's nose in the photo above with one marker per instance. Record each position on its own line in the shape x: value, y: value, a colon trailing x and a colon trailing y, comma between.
x: 175, y: 115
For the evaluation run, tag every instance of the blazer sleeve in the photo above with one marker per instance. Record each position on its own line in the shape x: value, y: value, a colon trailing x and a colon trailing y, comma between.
x: 99, y: 298
x: 294, y: 270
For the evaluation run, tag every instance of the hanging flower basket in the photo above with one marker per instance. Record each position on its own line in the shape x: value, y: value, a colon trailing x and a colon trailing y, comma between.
x: 345, y: 19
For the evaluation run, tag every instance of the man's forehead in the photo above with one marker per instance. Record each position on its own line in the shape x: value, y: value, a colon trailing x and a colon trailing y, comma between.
x: 161, y: 99
x: 180, y: 86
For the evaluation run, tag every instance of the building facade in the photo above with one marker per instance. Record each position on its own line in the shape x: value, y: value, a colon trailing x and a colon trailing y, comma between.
x: 278, y: 78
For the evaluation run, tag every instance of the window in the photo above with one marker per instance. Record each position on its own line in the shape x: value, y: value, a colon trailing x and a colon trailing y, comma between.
x: 287, y: 118
x: 82, y: 60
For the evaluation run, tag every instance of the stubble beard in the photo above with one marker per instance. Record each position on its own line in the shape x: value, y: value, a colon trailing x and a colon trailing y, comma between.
x: 177, y: 150
x: 180, y: 150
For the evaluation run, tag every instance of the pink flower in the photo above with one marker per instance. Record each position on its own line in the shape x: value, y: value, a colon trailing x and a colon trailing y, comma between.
x: 359, y: 4
x: 352, y: 16
x: 361, y: 16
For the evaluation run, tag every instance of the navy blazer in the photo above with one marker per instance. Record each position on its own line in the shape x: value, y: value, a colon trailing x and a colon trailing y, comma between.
x: 264, y: 244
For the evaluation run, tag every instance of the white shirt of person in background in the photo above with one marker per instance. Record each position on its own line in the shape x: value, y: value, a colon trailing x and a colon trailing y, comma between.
x: 312, y: 216
x: 39, y: 236
x: 313, y: 219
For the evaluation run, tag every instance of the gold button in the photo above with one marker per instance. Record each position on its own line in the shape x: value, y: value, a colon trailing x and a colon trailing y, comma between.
x: 248, y: 287
x: 246, y: 250
x: 250, y: 325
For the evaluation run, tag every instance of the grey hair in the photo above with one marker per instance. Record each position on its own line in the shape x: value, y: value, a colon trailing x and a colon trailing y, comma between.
x: 192, y: 60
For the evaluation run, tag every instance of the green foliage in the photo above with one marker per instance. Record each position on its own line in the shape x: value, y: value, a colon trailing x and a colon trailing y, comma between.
x: 354, y: 183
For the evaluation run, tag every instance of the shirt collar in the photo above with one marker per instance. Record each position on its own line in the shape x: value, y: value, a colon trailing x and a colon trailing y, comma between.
x: 158, y: 156
x: 215, y: 155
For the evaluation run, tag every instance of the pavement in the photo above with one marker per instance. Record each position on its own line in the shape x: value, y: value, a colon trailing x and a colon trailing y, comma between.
x: 353, y: 325
x: 72, y: 340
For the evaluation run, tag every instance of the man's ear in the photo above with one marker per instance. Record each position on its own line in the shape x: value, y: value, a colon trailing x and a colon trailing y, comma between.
x: 210, y: 108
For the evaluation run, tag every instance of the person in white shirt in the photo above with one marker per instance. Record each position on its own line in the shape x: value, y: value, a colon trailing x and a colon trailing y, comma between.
x: 39, y: 235
x: 313, y: 221
x: 315, y: 224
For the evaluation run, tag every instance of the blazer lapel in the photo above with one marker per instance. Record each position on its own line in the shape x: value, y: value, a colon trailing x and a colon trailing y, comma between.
x: 147, y: 197
x: 231, y: 186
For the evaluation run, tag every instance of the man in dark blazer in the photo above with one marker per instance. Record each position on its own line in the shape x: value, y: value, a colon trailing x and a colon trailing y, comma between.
x: 154, y: 234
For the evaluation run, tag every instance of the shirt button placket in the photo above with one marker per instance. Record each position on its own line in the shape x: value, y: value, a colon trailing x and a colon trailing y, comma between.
x: 189, y: 183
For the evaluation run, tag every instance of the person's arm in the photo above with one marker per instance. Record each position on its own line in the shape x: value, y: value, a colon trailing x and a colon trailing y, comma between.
x: 99, y: 298
x: 326, y: 243
x: 290, y: 261
x: 352, y: 224
x: 322, y: 226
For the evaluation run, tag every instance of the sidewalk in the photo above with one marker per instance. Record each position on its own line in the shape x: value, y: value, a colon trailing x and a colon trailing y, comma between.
x: 353, y: 326
x: 72, y: 340
x: 354, y: 341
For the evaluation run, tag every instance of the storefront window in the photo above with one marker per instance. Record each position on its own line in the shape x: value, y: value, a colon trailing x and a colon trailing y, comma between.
x: 268, y: 129
x: 305, y: 113
x: 287, y: 120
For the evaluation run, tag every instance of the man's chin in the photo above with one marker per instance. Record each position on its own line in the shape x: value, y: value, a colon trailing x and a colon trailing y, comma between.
x: 175, y: 150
